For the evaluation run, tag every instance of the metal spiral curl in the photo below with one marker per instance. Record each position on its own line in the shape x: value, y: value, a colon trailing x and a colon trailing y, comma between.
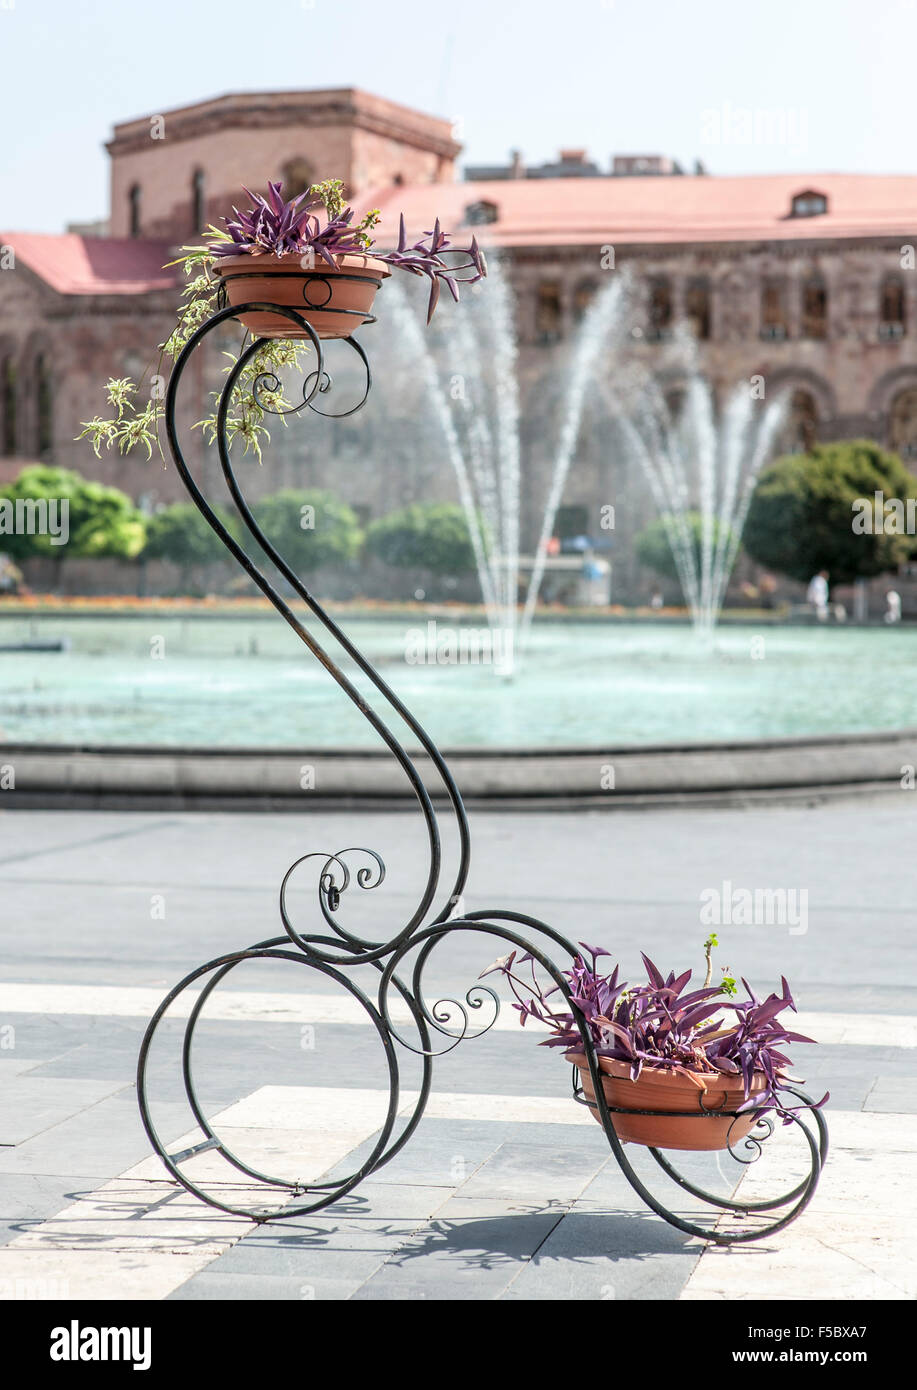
x: 441, y: 1025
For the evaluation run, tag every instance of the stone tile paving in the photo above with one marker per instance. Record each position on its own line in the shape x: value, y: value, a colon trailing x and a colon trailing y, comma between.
x: 476, y: 1206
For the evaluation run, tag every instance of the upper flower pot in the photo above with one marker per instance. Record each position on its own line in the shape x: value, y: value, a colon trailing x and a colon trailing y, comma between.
x: 334, y: 299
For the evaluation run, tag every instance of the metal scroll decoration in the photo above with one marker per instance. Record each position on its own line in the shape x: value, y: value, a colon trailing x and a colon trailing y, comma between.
x: 423, y: 1029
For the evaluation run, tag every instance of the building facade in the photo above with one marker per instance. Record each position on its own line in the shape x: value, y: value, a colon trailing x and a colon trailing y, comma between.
x: 807, y: 282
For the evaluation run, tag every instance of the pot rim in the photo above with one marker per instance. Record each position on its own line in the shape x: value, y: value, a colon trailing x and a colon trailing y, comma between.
x: 664, y: 1076
x: 290, y: 263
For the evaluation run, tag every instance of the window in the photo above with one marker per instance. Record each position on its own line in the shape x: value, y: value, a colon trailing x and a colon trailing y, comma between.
x: 814, y: 308
x: 892, y: 310
x: 582, y: 297
x: 809, y: 204
x: 45, y: 431
x: 660, y: 308
x: 547, y: 312
x: 198, y: 207
x: 802, y: 425
x: 697, y: 308
x: 9, y: 406
x: 297, y: 175
x: 133, y: 199
x: 773, y: 311
x: 480, y: 214
x: 571, y: 521
x: 674, y: 401
x: 902, y: 432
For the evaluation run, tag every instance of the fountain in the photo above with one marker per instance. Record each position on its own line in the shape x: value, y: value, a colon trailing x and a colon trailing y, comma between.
x: 477, y: 415
x: 689, y: 460
x: 468, y: 410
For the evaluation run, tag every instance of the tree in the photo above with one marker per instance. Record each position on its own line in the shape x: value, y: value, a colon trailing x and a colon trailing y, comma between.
x: 802, y: 515
x: 654, y: 550
x: 56, y: 512
x: 310, y: 528
x: 430, y: 535
x: 180, y: 534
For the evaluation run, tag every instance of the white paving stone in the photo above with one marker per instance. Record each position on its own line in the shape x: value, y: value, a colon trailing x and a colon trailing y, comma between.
x: 116, y: 1001
x: 856, y: 1238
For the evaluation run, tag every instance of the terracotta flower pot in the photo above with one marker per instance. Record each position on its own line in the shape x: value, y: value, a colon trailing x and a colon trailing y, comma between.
x: 335, y: 300
x: 656, y: 1089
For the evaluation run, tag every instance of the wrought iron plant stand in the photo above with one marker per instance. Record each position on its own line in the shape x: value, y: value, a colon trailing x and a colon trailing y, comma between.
x: 401, y: 959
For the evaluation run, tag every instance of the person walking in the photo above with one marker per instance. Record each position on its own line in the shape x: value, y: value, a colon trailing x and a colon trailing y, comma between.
x: 817, y: 595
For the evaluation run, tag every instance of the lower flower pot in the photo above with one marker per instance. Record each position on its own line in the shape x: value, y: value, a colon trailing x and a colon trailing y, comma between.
x: 659, y: 1090
x: 335, y: 300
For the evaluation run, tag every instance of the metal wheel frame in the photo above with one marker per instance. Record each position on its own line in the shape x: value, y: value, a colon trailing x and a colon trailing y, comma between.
x: 435, y: 1027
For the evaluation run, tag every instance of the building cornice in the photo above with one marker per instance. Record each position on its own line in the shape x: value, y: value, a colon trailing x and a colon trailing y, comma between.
x: 308, y: 109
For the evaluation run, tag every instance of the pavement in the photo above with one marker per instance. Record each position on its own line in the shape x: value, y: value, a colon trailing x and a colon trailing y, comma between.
x: 507, y: 1189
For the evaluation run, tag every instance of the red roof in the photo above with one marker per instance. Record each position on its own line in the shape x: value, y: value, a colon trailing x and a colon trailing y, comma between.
x: 666, y: 208
x: 94, y: 265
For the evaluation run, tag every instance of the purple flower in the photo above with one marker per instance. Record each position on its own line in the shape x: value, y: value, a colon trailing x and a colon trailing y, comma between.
x: 662, y: 1024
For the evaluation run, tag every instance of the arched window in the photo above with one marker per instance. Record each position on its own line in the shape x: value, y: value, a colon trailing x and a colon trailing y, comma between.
x: 9, y: 407
x: 480, y: 214
x: 674, y: 400
x: 902, y: 425
x: 133, y: 199
x: 198, y: 206
x: 583, y: 296
x: 548, y: 312
x: 801, y: 429
x: 774, y: 323
x: 44, y: 413
x: 660, y: 308
x: 814, y: 320
x: 697, y: 307
x: 892, y: 310
x: 297, y: 175
x: 809, y: 204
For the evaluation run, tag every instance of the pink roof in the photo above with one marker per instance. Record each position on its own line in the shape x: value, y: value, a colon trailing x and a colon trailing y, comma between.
x: 94, y: 265
x: 667, y: 208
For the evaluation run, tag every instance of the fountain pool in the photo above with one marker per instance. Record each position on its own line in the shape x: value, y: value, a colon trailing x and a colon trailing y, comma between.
x: 245, y: 681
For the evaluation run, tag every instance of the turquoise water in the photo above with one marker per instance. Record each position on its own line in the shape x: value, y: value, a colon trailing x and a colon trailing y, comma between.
x: 248, y: 681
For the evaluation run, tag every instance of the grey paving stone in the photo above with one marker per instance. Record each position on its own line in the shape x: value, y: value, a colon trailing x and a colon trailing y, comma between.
x: 37, y: 1195
x: 30, y: 1105
x: 12, y: 1065
x: 463, y: 1256
x: 536, y: 1170
x: 893, y: 1095
x: 615, y: 1256
x: 213, y: 1287
x: 103, y: 1141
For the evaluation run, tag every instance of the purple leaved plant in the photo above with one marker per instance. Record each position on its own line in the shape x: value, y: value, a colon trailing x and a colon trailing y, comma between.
x: 662, y: 1023
x: 275, y: 226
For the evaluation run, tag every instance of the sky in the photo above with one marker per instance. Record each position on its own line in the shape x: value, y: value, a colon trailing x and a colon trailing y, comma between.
x: 793, y: 85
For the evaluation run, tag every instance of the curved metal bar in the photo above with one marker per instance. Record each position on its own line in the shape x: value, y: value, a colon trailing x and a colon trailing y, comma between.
x: 171, y: 1161
x: 448, y: 1019
x: 205, y: 1125
x: 376, y: 949
x: 353, y: 652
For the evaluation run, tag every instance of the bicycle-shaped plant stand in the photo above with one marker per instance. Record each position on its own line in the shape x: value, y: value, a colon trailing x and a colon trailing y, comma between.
x: 401, y: 960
